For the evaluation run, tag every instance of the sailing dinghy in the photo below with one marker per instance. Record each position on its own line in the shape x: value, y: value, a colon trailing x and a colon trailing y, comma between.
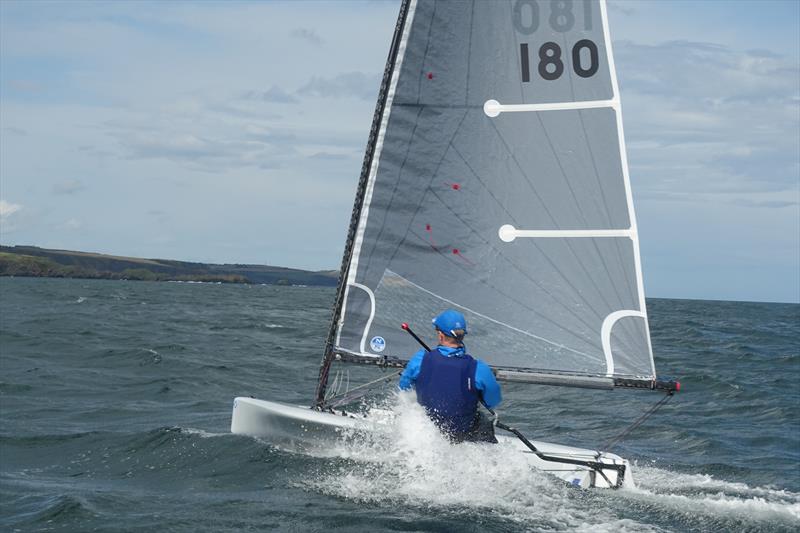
x: 495, y: 182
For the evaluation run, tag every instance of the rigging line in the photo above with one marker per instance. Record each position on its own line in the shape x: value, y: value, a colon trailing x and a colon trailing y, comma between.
x: 526, y: 275
x: 425, y: 55
x: 638, y: 422
x: 396, y: 183
x: 348, y: 396
x: 580, y: 213
x: 333, y: 389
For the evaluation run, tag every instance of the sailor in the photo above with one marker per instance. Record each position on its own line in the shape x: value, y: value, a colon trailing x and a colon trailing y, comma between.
x: 450, y: 383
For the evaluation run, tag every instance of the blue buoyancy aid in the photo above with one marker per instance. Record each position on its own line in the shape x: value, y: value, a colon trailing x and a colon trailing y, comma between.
x: 446, y: 388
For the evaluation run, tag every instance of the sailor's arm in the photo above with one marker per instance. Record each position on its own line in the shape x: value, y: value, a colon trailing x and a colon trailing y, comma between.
x: 487, y: 384
x: 409, y: 375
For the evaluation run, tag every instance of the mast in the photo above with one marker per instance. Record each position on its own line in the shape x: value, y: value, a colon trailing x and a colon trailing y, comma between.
x: 380, y: 109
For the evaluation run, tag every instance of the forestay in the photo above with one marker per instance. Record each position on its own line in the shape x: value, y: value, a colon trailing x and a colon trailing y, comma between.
x: 496, y: 184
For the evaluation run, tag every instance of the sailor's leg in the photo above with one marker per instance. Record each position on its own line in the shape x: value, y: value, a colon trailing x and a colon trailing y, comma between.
x: 482, y: 430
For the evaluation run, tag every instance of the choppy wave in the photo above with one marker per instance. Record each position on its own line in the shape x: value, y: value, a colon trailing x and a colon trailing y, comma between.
x: 115, y: 417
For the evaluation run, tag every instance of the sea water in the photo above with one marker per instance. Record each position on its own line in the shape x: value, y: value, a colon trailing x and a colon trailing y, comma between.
x: 115, y: 401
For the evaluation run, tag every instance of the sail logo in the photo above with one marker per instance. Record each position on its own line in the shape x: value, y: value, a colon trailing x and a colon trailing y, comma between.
x: 378, y: 344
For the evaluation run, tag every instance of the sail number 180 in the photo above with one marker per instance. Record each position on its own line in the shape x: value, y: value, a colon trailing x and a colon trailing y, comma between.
x: 551, y: 65
x: 527, y: 18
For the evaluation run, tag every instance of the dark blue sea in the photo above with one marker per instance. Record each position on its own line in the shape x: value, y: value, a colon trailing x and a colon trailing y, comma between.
x: 115, y: 403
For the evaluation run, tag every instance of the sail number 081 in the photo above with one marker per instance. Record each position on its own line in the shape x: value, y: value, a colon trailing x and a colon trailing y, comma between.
x: 561, y: 17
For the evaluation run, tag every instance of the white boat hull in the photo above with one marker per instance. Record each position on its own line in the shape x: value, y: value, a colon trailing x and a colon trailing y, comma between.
x: 302, y: 428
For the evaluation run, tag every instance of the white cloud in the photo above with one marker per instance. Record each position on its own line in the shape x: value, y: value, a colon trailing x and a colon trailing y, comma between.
x: 217, y: 133
x: 711, y: 123
x: 7, y: 209
x: 208, y: 154
x: 346, y: 85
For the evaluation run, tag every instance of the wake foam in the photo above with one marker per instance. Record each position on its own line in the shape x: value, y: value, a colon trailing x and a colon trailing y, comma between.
x: 408, y: 462
x: 203, y: 434
x: 701, y: 494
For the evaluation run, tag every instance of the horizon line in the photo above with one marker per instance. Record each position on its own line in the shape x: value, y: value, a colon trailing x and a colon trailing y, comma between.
x: 113, y: 255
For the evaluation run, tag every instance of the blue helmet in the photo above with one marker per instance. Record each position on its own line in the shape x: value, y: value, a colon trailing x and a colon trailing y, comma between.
x: 449, y: 321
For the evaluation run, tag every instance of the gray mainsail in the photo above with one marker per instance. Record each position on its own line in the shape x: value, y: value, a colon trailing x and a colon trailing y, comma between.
x: 496, y: 183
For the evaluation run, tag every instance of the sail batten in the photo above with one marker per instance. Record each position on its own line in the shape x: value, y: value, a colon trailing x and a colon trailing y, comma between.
x: 518, y: 213
x: 493, y: 108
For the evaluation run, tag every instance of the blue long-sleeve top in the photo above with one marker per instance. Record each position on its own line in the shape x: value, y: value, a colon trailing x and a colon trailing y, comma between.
x: 484, y: 378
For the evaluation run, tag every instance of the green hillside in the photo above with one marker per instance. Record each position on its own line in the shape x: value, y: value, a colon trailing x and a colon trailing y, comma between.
x: 33, y: 261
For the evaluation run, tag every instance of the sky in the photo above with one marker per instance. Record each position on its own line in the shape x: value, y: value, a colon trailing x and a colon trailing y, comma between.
x: 234, y: 132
